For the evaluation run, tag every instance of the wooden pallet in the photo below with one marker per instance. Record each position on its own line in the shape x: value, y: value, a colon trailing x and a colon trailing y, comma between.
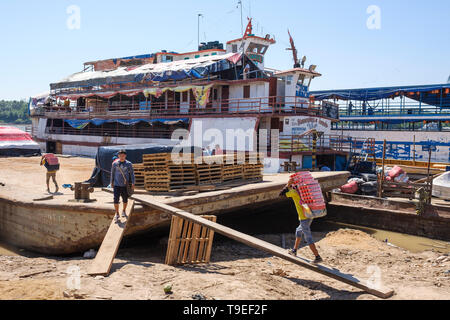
x: 157, y: 160
x: 253, y: 171
x: 157, y: 180
x: 182, y: 175
x: 189, y: 243
x: 139, y: 175
x: 213, y: 160
x: 233, y: 172
x: 208, y: 174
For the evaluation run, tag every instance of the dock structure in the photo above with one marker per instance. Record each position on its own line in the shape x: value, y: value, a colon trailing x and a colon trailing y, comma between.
x: 376, y: 290
x: 70, y: 227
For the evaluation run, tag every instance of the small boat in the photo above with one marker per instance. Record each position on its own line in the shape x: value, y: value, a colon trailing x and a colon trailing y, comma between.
x: 15, y: 142
x: 441, y: 186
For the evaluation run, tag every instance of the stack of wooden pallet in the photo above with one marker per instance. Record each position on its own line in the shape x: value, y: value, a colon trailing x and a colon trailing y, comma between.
x: 233, y: 168
x: 208, y: 173
x: 253, y: 166
x: 139, y: 174
x: 157, y: 176
x: 182, y: 175
x: 162, y: 175
x: 253, y: 172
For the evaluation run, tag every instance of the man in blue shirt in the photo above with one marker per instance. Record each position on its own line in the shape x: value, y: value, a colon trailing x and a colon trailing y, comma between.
x: 122, y: 174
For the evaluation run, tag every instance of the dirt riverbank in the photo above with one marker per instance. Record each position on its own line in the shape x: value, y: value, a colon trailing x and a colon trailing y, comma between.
x: 235, y: 272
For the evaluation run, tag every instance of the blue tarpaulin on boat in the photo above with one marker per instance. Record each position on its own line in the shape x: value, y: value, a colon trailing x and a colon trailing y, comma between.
x: 367, y: 94
x: 176, y: 73
x: 80, y: 124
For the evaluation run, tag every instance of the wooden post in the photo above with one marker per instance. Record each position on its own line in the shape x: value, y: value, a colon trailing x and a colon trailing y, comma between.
x: 429, y: 181
x: 381, y: 180
x: 314, y: 150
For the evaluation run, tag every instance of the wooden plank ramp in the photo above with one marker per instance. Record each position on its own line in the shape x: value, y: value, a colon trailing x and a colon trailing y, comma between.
x: 102, y: 263
x: 367, y: 286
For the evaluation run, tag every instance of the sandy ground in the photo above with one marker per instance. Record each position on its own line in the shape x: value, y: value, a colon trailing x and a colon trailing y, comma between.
x: 24, y: 178
x: 235, y: 272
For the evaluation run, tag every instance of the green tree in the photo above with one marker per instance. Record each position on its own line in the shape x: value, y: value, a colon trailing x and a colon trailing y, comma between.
x: 14, y: 112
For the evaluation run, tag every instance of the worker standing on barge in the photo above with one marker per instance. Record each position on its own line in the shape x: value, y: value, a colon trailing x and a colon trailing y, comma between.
x: 122, y: 176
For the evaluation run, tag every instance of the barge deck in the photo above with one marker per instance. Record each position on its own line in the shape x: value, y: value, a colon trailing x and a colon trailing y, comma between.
x: 57, y: 226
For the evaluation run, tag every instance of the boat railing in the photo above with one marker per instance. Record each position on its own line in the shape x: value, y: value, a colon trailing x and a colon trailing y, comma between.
x: 396, y: 109
x: 112, y: 132
x: 298, y: 144
x: 228, y: 107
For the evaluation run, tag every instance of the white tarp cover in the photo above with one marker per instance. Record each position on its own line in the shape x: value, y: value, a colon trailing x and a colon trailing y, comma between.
x: 13, y: 138
x: 441, y: 186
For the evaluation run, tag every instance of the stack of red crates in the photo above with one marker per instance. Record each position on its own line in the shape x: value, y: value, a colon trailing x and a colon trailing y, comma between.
x: 309, y: 190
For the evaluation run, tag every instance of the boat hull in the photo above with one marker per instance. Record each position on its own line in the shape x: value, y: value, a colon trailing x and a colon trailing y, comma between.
x: 61, y: 229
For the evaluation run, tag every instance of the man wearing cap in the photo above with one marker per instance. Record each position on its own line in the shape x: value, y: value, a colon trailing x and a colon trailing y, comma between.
x: 122, y: 174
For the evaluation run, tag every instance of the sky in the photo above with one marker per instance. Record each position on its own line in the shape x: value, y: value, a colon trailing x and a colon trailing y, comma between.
x: 400, y: 42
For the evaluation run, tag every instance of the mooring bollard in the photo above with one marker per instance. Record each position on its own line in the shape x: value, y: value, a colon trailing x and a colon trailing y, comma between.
x: 82, y: 192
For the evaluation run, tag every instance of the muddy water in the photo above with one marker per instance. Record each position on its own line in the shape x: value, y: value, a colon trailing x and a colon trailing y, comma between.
x: 411, y: 243
x: 283, y: 219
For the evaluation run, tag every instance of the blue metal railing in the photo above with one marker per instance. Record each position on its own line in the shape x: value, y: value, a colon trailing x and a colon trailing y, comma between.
x: 415, y: 109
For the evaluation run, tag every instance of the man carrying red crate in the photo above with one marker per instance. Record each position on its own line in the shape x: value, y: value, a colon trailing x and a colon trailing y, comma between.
x: 51, y: 163
x: 303, y: 190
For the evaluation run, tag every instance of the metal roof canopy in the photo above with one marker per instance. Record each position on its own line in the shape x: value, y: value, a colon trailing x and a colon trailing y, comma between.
x: 367, y: 94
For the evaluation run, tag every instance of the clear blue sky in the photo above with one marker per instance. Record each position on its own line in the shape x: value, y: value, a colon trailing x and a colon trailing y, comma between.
x: 412, y: 46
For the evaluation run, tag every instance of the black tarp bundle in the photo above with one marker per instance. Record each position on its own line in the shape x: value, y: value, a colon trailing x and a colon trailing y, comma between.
x: 19, y: 152
x: 103, y: 161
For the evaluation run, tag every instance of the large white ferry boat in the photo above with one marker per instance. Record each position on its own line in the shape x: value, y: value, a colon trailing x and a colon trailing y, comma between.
x: 221, y: 97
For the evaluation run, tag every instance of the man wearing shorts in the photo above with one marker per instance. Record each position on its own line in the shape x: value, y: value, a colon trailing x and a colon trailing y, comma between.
x: 122, y: 174
x: 304, y: 227
x: 51, y: 172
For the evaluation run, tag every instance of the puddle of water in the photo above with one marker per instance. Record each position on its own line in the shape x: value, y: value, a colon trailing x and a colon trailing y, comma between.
x: 411, y: 243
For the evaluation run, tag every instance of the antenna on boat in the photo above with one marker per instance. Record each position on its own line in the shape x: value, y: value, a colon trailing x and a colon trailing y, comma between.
x: 198, y: 29
x: 242, y: 21
x: 294, y: 52
x: 448, y: 80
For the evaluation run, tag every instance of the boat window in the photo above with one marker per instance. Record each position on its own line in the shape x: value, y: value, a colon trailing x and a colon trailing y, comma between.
x: 246, y: 92
x: 184, y: 96
x: 289, y: 80
x: 234, y: 48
